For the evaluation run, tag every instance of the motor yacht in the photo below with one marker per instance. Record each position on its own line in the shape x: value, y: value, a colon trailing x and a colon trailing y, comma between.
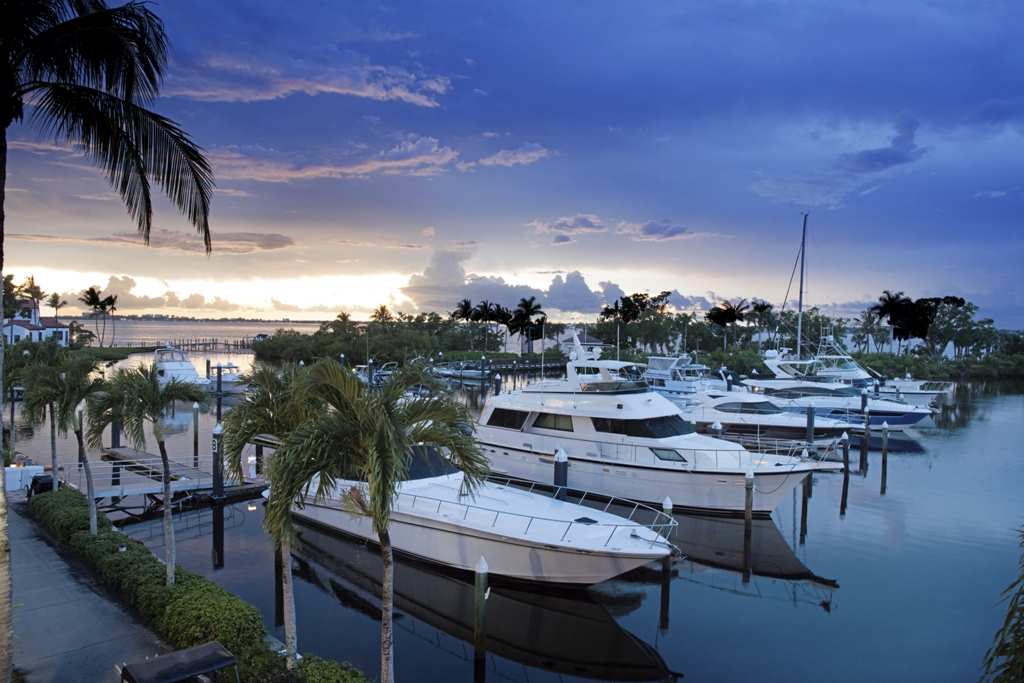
x: 743, y: 413
x: 624, y: 440
x: 678, y: 375
x: 840, y: 402
x: 172, y: 363
x: 521, y: 534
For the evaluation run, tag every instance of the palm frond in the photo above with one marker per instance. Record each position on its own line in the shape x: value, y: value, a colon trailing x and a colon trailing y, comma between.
x: 132, y: 145
x: 121, y: 50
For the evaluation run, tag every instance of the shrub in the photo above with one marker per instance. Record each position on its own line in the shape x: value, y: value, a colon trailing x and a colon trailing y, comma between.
x: 316, y: 670
x: 191, y: 612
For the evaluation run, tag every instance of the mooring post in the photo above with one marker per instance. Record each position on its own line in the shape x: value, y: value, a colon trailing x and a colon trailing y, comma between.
x: 885, y: 456
x: 748, y: 522
x: 480, y: 594
x: 846, y: 475
x: 810, y: 425
x: 217, y: 549
x: 728, y: 382
x: 845, y: 440
x: 195, y: 435
x: 666, y: 592
x: 497, y: 383
x: 561, y: 473
x: 220, y: 390
x: 667, y: 507
x: 863, y: 401
x: 207, y: 368
x: 716, y: 428
x: 803, y: 507
x: 259, y: 459
x: 218, y: 462
x: 809, y: 481
x: 864, y: 442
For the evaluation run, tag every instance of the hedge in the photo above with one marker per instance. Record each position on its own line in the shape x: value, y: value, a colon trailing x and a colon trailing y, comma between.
x: 191, y: 612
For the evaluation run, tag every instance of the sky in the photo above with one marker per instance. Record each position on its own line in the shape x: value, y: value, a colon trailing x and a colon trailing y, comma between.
x: 415, y: 153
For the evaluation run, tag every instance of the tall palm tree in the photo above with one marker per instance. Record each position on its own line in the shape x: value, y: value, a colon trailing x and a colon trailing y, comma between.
x: 524, y: 316
x: 463, y: 310
x: 42, y: 392
x: 146, y: 402
x: 33, y: 291
x: 110, y: 307
x: 726, y: 313
x: 56, y: 303
x: 368, y: 435
x: 274, y: 405
x: 484, y: 313
x: 75, y: 385
x: 93, y: 299
x: 89, y: 72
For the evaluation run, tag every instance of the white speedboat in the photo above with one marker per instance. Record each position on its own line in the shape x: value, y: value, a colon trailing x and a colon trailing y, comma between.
x: 521, y: 534
x: 172, y: 363
x: 917, y: 391
x: 744, y: 413
x: 840, y: 402
x: 624, y: 440
x: 470, y: 370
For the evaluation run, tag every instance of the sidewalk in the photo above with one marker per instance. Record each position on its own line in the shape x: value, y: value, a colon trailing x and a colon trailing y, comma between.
x: 65, y: 628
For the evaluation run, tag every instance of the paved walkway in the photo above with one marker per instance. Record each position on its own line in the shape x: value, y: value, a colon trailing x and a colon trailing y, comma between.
x: 65, y: 628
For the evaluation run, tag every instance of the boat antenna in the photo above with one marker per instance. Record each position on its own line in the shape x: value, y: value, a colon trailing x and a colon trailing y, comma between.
x: 800, y: 298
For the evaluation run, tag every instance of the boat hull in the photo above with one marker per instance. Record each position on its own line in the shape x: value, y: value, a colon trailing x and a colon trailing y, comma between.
x: 461, y: 548
x: 718, y: 492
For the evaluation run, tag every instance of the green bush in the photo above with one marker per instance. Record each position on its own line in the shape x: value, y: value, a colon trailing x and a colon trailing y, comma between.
x: 316, y: 670
x: 192, y: 611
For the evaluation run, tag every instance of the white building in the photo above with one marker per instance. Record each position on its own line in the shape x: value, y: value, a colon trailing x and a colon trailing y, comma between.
x: 26, y: 324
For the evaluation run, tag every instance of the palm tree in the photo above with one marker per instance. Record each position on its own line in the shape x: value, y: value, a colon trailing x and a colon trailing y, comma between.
x: 56, y: 303
x: 96, y: 304
x: 898, y: 309
x: 463, y: 310
x: 42, y: 391
x: 523, y: 316
x: 33, y: 291
x: 89, y: 72
x: 147, y: 401
x: 368, y: 435
x: 110, y: 307
x: 75, y: 385
x: 726, y: 313
x: 273, y: 405
x: 484, y: 313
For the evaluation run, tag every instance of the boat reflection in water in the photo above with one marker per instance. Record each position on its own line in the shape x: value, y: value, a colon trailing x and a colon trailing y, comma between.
x: 564, y: 631
x: 711, y: 544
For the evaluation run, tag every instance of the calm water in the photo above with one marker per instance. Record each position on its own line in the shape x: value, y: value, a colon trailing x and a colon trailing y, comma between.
x: 906, y: 586
x: 159, y: 331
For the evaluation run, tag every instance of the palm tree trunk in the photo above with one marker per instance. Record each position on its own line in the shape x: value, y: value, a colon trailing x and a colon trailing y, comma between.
x: 3, y: 337
x: 288, y: 590
x: 89, y: 489
x: 53, y: 449
x: 169, y: 559
x: 387, y: 656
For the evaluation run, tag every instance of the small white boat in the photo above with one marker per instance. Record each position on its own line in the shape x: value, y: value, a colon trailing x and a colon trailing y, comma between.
x: 172, y: 363
x: 521, y: 534
x: 470, y: 370
x: 840, y: 401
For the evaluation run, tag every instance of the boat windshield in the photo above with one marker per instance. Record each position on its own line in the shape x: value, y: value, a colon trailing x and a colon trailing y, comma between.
x: 750, y: 408
x: 170, y: 357
x: 649, y: 428
x: 621, y: 387
x: 428, y: 462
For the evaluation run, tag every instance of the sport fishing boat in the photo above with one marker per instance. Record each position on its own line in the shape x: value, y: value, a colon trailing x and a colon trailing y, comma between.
x: 624, y: 440
x: 678, y: 375
x: 839, y: 401
x: 748, y: 414
x: 523, y: 535
x: 172, y: 363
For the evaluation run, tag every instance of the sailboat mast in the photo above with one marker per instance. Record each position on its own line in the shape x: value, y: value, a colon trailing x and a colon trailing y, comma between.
x: 800, y: 300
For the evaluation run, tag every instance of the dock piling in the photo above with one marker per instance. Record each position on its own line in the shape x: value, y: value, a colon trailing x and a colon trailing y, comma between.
x: 561, y: 473
x: 218, y: 462
x: 810, y: 425
x: 865, y: 441
x: 480, y: 594
x: 195, y: 435
x: 748, y: 523
x: 885, y: 456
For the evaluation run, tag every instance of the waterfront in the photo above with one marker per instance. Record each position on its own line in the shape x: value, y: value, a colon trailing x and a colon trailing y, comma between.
x: 919, y: 573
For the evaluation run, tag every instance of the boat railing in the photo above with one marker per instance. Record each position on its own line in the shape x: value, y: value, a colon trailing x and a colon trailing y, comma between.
x: 661, y: 526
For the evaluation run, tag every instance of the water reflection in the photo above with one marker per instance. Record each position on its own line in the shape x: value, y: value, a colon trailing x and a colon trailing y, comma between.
x: 563, y: 631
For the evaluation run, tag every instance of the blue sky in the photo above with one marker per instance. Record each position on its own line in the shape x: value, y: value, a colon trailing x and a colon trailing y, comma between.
x: 413, y: 153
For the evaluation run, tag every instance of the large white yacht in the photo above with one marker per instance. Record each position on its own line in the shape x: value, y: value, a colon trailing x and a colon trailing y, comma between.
x: 172, y: 363
x: 622, y: 439
x: 521, y: 534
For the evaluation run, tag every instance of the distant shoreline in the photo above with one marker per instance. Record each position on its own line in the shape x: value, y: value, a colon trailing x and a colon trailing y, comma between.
x: 179, y: 318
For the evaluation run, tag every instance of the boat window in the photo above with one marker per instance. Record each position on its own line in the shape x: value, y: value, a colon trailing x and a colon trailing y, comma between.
x: 649, y: 428
x: 758, y: 408
x: 552, y: 421
x: 587, y: 370
x: 426, y: 462
x: 509, y: 419
x: 668, y: 454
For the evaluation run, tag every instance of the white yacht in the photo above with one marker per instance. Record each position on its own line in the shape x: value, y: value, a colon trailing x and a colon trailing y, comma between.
x: 678, y: 375
x: 471, y: 370
x: 172, y: 363
x: 743, y: 413
x: 832, y: 364
x: 622, y: 439
x: 839, y: 401
x: 521, y: 534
